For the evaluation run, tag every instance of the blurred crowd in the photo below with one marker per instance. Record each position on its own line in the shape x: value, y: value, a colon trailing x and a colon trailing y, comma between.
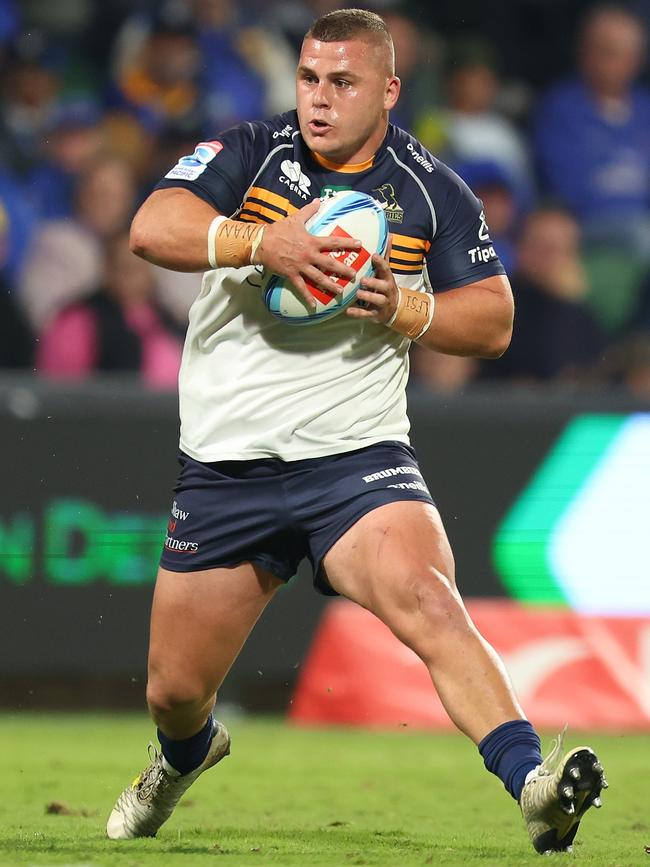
x: 100, y: 99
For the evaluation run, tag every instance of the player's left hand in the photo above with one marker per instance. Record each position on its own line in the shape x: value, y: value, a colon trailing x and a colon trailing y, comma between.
x: 379, y: 293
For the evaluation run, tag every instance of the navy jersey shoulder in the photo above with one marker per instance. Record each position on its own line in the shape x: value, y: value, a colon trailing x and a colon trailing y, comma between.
x: 220, y: 171
x: 461, y: 250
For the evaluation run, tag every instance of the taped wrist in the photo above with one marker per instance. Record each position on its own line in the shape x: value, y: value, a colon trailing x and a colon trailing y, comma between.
x: 231, y: 243
x: 414, y: 313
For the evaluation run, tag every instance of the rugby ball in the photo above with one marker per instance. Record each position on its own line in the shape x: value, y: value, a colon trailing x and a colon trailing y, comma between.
x: 345, y: 214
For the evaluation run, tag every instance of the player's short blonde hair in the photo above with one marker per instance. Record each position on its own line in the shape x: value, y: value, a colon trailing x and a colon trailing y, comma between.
x: 344, y: 24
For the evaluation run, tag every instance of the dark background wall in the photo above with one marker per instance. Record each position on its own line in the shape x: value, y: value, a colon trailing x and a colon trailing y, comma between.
x: 86, y: 481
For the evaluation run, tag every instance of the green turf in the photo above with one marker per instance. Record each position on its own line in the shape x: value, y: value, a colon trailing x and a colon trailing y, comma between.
x: 291, y: 796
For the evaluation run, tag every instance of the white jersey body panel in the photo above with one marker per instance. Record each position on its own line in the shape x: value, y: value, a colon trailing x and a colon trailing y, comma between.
x: 253, y: 387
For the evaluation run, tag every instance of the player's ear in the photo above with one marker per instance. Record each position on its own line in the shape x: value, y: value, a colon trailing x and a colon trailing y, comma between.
x: 391, y: 93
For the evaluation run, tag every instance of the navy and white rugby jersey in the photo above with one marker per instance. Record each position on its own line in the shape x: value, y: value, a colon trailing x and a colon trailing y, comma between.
x: 252, y: 386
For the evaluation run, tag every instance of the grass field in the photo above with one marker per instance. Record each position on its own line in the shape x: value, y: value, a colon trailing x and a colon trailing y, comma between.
x: 290, y: 796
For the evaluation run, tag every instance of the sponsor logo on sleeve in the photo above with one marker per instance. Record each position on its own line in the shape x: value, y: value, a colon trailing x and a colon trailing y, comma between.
x: 189, y: 168
x: 284, y: 133
x: 426, y: 164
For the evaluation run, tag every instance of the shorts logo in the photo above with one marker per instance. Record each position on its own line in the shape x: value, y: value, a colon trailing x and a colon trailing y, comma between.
x: 410, y: 486
x: 171, y: 526
x: 178, y: 513
x: 190, y: 167
x: 181, y: 545
x: 390, y: 472
x: 294, y: 178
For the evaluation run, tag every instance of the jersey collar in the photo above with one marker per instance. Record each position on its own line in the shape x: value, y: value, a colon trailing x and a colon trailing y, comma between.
x: 346, y: 168
x: 353, y: 168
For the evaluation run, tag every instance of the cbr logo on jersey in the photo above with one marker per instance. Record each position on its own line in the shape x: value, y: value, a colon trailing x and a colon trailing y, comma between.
x: 483, y: 232
x: 190, y: 167
x: 482, y: 254
x: 294, y: 178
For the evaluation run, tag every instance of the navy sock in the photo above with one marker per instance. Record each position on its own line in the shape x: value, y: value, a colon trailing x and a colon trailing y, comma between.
x: 511, y: 751
x: 185, y: 756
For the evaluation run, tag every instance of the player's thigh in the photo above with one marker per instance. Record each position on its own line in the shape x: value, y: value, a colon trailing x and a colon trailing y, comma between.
x: 200, y: 621
x: 394, y: 558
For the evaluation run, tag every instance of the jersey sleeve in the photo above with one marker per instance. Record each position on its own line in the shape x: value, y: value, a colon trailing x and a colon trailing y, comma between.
x: 219, y: 171
x: 461, y: 251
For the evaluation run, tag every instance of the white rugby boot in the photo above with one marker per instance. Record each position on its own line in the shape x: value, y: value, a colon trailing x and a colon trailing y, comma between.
x: 150, y: 799
x: 558, y: 793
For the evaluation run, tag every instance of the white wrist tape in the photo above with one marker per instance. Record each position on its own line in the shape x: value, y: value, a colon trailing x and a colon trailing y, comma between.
x: 432, y: 307
x: 399, y: 302
x: 212, y: 235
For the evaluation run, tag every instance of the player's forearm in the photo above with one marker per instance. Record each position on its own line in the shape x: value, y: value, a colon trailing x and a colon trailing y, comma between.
x: 474, y: 320
x: 171, y: 230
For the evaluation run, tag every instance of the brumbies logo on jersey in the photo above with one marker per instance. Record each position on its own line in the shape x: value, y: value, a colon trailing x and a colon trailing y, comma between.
x: 190, y: 167
x: 393, y: 210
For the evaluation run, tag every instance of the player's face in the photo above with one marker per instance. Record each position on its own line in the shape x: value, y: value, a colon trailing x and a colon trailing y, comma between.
x: 343, y: 94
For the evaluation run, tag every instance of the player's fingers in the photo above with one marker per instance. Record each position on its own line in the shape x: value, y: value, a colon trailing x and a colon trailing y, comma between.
x: 301, y: 287
x: 334, y: 265
x: 360, y: 313
x: 381, y: 266
x: 376, y: 299
x: 331, y: 242
x: 375, y: 284
x: 308, y: 210
x: 321, y: 280
x: 389, y: 246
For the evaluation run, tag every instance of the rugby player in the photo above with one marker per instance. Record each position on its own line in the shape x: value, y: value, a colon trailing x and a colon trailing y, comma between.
x: 285, y: 431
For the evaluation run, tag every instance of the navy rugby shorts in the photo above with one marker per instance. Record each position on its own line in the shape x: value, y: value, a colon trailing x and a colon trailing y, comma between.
x: 275, y: 513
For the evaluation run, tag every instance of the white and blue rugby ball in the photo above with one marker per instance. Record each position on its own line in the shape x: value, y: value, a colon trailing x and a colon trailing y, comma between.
x: 345, y: 214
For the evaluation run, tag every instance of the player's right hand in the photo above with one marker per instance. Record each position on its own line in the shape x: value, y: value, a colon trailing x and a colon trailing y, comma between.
x: 287, y: 249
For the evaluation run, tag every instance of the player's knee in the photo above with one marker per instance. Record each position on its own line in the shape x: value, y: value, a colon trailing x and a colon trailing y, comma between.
x: 166, y: 698
x: 429, y: 608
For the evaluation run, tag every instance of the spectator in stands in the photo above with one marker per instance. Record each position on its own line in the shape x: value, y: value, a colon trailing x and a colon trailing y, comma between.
x: 632, y: 365
x: 16, y: 339
x: 555, y: 335
x: 119, y: 328
x: 73, y: 139
x: 417, y: 63
x: 592, y: 133
x: 157, y: 68
x: 65, y: 258
x: 470, y: 129
x: 247, y: 70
